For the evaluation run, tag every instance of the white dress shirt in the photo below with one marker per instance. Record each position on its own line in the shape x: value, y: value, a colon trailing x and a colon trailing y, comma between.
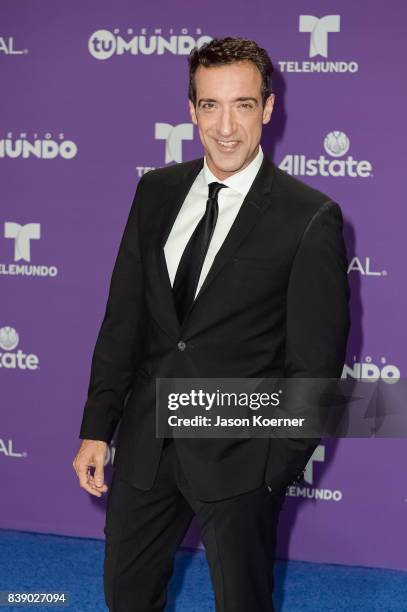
x: 194, y: 206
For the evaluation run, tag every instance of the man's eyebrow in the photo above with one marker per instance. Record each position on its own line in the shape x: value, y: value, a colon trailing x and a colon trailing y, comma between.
x: 246, y: 99
x: 205, y: 100
x: 241, y: 99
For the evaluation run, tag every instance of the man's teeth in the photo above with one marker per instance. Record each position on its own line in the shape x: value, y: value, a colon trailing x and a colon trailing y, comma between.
x: 228, y: 144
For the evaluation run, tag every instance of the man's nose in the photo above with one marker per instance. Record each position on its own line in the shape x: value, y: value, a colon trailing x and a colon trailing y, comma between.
x: 226, y: 123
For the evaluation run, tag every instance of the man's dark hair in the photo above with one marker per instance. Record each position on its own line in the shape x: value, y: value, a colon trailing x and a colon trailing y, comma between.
x: 221, y: 51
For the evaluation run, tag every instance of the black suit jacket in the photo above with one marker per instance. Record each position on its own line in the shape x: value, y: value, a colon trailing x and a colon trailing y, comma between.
x: 274, y: 303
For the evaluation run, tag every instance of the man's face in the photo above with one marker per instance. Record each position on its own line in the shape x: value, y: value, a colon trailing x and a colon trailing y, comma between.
x: 229, y: 115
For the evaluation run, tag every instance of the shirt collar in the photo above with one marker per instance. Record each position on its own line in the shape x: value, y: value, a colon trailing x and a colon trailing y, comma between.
x: 240, y: 181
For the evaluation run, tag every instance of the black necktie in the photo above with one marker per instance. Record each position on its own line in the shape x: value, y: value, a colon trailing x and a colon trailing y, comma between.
x: 191, y: 262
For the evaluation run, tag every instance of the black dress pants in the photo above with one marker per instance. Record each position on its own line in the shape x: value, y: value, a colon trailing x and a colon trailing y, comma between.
x: 144, y: 529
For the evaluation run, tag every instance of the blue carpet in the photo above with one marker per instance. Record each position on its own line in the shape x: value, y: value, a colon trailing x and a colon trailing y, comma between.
x: 32, y: 562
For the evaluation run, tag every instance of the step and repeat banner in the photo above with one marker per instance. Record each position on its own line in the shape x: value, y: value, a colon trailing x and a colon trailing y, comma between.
x: 93, y: 95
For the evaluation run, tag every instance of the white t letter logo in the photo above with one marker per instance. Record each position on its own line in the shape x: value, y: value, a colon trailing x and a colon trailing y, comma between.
x: 319, y: 29
x: 174, y: 135
x: 22, y: 235
x: 318, y: 455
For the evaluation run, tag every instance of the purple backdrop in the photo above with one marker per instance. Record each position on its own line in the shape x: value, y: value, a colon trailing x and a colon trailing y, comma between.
x: 95, y: 94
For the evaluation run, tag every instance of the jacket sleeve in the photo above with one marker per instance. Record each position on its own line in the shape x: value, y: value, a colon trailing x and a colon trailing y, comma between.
x: 119, y: 341
x: 317, y: 328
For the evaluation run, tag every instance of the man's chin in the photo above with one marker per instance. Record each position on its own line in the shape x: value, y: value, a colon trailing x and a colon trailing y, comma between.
x: 227, y: 163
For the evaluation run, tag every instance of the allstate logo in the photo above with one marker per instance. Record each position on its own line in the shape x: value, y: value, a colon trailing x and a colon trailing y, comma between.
x: 10, y: 359
x: 336, y: 144
x: 9, y: 338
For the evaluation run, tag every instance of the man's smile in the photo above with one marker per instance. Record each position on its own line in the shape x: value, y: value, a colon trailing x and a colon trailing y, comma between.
x: 227, y: 145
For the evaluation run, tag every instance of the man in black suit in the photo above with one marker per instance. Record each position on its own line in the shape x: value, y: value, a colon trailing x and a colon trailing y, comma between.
x: 228, y: 267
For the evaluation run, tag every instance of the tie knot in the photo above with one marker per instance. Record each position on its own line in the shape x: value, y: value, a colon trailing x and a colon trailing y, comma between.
x: 214, y: 189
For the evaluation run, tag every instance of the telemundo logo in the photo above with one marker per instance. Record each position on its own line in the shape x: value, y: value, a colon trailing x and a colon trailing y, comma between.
x: 308, y: 491
x: 22, y: 235
x: 174, y: 135
x: 336, y: 144
x: 319, y: 29
x: 104, y: 44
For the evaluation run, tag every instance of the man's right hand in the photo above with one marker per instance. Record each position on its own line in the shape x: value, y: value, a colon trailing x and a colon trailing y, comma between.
x: 91, y: 454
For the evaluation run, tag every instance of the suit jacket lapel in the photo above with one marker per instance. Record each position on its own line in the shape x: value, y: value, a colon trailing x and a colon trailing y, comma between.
x: 176, y: 193
x: 256, y: 200
x: 255, y: 203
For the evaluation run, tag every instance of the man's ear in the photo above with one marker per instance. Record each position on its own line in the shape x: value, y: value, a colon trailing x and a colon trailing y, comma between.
x: 192, y: 112
x: 268, y: 108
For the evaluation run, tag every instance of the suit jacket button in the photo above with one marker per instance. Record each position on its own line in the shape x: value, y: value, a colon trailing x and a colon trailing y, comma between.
x: 181, y: 345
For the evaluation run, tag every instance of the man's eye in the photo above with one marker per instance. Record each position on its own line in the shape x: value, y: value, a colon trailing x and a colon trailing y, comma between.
x: 246, y: 105
x: 208, y: 105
